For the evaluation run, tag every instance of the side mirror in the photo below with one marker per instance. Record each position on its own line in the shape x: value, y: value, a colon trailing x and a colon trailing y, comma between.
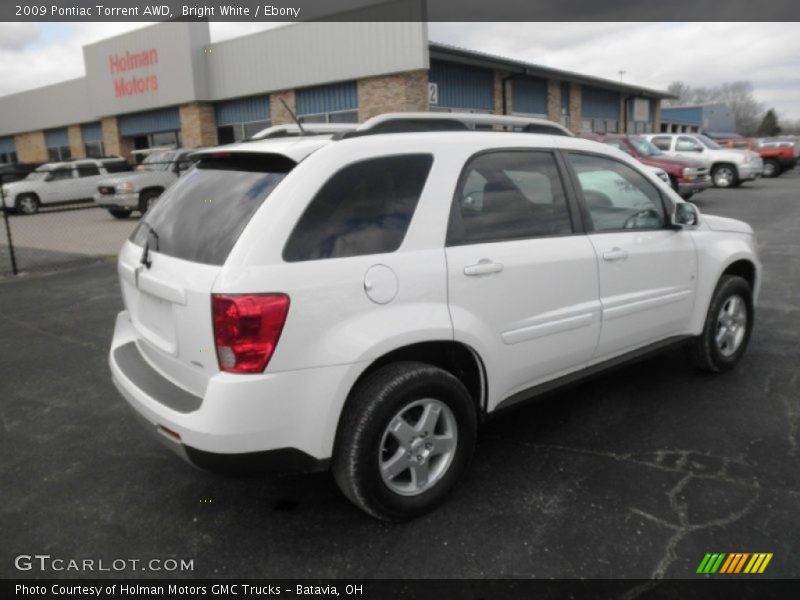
x: 686, y: 215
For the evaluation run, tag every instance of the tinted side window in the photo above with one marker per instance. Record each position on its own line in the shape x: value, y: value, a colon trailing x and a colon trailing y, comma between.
x: 508, y: 195
x: 117, y: 167
x: 363, y: 209
x: 617, y: 196
x: 88, y: 170
x: 60, y: 174
x: 662, y: 142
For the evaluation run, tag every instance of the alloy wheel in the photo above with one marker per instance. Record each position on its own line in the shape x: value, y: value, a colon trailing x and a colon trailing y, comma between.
x: 417, y: 447
x: 731, y: 325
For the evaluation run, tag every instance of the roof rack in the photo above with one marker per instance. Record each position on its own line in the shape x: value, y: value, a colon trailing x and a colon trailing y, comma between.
x: 412, y: 122
x: 282, y: 131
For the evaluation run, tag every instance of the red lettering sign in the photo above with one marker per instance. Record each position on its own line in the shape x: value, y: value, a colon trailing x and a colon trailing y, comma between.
x: 132, y: 86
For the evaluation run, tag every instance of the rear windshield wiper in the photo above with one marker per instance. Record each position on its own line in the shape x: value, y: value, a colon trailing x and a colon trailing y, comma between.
x: 145, y: 260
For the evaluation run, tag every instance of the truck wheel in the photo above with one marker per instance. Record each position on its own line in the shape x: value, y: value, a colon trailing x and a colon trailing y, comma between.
x: 147, y: 200
x: 772, y: 168
x: 728, y: 325
x: 120, y: 213
x: 27, y: 204
x: 724, y: 176
x: 405, y: 438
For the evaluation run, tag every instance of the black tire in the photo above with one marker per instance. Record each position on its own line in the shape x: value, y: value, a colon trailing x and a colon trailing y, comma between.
x: 772, y: 168
x: 725, y: 176
x: 365, y: 420
x: 27, y: 204
x: 146, y: 198
x: 120, y: 213
x: 706, y: 353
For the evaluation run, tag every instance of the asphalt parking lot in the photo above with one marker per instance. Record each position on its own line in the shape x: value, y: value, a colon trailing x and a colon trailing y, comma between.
x: 636, y: 474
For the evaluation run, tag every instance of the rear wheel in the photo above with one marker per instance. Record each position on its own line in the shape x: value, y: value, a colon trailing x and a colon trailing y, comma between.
x: 772, y: 168
x: 27, y: 204
x: 728, y: 325
x: 405, y: 438
x: 724, y: 176
x: 120, y: 213
x: 147, y: 200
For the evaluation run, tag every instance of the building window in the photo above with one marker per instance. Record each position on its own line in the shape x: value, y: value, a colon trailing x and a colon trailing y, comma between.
x: 8, y: 157
x: 94, y: 149
x: 227, y: 134
x: 604, y: 126
x: 344, y: 116
x: 58, y: 153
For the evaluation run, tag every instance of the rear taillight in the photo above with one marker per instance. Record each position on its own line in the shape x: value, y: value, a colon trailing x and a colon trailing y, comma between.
x: 246, y: 329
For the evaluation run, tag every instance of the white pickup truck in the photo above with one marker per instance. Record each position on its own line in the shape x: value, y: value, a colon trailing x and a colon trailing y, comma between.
x: 729, y: 168
x: 139, y: 189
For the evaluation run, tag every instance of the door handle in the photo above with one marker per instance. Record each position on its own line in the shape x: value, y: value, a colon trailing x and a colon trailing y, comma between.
x: 615, y: 254
x: 484, y: 267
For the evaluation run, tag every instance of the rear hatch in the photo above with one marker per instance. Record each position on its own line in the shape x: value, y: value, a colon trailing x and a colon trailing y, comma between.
x: 169, y: 264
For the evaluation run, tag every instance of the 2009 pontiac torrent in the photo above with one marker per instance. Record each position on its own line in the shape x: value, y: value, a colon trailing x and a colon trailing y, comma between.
x: 361, y: 301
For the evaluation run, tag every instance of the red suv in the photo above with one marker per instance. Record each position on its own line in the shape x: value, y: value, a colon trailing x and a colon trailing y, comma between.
x: 777, y: 158
x: 688, y: 176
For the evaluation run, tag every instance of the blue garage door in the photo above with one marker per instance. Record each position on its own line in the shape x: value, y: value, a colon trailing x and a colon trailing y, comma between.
x: 529, y: 95
x: 337, y: 102
x: 463, y: 86
x: 600, y: 110
x: 92, y: 132
x: 7, y: 145
x: 56, y: 137
x: 153, y: 121
x: 243, y: 110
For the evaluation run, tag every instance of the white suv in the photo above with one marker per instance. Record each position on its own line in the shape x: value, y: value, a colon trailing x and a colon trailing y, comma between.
x: 729, y: 167
x: 364, y: 303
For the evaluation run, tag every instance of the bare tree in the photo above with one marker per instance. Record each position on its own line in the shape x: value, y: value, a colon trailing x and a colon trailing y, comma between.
x: 682, y: 93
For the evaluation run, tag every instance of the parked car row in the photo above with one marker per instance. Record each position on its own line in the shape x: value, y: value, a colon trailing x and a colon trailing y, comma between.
x: 110, y: 182
x: 60, y: 183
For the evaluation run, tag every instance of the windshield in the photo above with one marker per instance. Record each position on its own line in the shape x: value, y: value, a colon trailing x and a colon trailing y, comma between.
x: 708, y: 142
x: 644, y: 147
x: 157, y: 161
x: 201, y: 216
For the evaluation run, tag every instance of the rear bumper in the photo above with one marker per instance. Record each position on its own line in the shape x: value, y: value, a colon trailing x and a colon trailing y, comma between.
x: 128, y: 201
x: 268, y: 422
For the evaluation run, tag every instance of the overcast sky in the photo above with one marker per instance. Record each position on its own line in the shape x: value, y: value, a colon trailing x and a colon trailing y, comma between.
x: 651, y: 54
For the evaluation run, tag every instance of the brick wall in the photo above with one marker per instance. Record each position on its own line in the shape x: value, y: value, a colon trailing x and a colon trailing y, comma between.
x: 281, y: 116
x: 554, y: 100
x: 575, y: 116
x: 198, y: 125
x: 76, y: 148
x: 401, y: 92
x: 657, y: 116
x: 113, y: 142
x: 31, y: 147
x: 498, y: 93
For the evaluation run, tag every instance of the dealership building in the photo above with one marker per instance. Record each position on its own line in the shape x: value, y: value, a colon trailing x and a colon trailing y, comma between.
x: 714, y: 119
x: 167, y: 84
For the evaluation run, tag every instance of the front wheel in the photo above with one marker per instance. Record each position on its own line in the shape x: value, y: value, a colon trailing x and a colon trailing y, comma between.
x: 772, y: 168
x: 405, y: 438
x: 728, y: 325
x: 724, y: 176
x: 27, y: 204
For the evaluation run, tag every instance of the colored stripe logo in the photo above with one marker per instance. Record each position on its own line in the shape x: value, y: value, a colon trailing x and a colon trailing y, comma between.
x: 734, y: 563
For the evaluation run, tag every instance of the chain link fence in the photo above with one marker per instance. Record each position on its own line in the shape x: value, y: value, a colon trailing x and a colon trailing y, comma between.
x: 51, y: 221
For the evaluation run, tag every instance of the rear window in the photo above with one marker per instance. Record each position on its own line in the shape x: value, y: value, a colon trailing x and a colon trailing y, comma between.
x: 200, y: 217
x: 363, y: 209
